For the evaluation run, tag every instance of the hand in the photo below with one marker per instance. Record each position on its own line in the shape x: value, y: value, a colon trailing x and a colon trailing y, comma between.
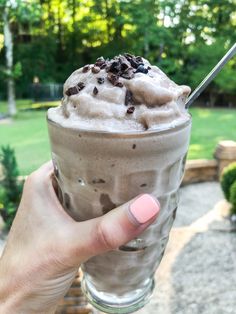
x: 46, y: 246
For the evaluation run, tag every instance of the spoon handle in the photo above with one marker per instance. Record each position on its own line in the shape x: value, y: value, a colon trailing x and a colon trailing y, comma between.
x: 210, y: 76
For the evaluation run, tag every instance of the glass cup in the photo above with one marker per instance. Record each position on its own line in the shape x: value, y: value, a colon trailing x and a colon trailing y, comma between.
x: 98, y: 171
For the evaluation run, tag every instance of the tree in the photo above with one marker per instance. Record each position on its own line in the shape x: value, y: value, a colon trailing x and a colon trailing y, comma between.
x: 185, y: 38
x: 14, y: 11
x: 8, y: 43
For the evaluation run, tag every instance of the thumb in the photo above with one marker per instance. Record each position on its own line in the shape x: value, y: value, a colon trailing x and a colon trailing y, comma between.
x: 116, y: 228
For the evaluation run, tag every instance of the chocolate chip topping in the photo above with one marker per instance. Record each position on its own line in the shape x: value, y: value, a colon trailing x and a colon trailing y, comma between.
x: 124, y: 66
x: 75, y: 89
x: 95, y: 91
x: 72, y: 91
x: 134, y: 63
x: 81, y: 85
x: 119, y: 84
x: 100, y: 80
x: 141, y: 68
x: 128, y: 56
x: 128, y: 74
x: 103, y: 66
x: 139, y: 59
x: 95, y: 69
x: 114, y: 67
x: 112, y: 78
x: 121, y: 66
x: 100, y: 62
x: 128, y: 97
x: 86, y: 68
x: 130, y: 110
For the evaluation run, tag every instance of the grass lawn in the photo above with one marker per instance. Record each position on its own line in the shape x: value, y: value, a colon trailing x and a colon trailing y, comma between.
x: 27, y: 104
x: 209, y: 127
x: 28, y: 135
x: 20, y: 103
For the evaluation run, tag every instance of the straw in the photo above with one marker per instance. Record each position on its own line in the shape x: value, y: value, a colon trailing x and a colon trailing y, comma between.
x: 195, y: 94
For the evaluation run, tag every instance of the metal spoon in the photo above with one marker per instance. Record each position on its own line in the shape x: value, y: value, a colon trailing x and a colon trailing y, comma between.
x: 231, y: 52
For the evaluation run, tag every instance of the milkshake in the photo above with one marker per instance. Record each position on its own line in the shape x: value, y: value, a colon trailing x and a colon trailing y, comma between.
x: 121, y: 130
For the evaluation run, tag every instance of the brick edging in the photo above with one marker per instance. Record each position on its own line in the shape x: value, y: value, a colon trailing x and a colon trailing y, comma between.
x: 200, y: 170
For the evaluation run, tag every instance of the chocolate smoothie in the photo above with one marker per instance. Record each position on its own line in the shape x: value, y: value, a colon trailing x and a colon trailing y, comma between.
x: 122, y: 129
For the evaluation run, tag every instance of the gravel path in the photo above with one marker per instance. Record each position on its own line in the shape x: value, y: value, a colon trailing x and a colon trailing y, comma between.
x: 198, y: 272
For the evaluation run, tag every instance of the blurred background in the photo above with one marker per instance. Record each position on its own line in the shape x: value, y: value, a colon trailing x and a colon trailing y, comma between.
x: 185, y: 38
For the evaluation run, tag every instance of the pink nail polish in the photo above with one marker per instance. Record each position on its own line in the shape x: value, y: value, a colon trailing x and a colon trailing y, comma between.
x: 144, y: 208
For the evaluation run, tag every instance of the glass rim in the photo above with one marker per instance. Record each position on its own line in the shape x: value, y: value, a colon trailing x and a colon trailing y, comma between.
x: 128, y: 134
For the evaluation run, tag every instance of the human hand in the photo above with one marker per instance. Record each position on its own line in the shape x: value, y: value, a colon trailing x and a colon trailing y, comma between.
x: 46, y: 246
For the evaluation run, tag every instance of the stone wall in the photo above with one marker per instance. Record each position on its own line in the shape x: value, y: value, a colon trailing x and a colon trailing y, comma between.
x: 225, y: 154
x: 202, y: 170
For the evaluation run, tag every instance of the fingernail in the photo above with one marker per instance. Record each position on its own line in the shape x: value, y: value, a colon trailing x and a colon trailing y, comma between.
x: 144, y: 208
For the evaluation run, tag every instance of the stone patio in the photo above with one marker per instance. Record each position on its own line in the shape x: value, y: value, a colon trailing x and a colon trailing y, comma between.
x: 198, y: 272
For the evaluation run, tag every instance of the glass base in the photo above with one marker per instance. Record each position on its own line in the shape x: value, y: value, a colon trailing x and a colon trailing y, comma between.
x: 114, y: 305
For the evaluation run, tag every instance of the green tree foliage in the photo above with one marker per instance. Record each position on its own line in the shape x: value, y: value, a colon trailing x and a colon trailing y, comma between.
x: 10, y: 187
x: 185, y: 38
x: 14, y: 12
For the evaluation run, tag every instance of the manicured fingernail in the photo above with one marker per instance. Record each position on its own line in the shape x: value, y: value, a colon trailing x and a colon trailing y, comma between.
x: 144, y: 208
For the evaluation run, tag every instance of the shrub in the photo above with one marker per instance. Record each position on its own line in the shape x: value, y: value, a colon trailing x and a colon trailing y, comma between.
x: 233, y: 197
x: 227, y: 179
x: 11, y: 188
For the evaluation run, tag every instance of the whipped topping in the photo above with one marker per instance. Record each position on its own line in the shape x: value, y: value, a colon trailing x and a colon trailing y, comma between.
x: 124, y: 94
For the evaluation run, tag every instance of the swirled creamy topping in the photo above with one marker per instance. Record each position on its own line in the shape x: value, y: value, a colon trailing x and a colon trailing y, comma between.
x: 123, y: 94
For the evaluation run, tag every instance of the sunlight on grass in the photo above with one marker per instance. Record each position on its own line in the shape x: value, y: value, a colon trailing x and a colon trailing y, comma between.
x: 227, y: 117
x: 42, y: 105
x: 204, y: 113
x: 25, y: 104
x: 46, y: 104
x: 197, y: 154
x: 196, y: 151
x: 196, y: 147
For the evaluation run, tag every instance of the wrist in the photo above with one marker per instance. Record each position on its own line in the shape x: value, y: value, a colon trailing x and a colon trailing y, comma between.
x: 17, y: 294
x: 22, y: 303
